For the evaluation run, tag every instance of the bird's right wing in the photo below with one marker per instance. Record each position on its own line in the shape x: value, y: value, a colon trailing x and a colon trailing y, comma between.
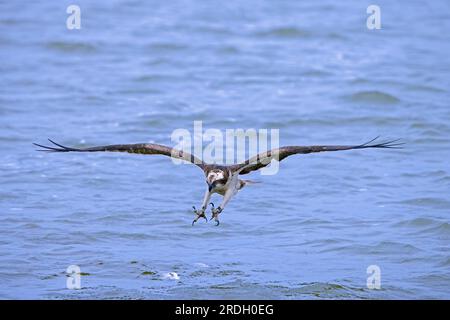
x: 140, y: 148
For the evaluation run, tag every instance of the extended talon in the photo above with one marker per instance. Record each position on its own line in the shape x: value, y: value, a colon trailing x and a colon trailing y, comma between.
x: 216, y: 219
x: 200, y: 214
x: 215, y: 214
x: 198, y: 217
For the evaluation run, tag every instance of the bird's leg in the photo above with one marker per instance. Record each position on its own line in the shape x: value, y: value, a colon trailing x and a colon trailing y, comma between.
x: 201, y: 213
x: 216, y: 211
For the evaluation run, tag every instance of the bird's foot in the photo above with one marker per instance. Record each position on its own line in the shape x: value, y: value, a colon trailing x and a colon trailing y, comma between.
x: 200, y: 214
x: 215, y: 213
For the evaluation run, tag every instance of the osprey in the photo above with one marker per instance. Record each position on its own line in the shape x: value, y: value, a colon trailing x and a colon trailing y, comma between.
x: 221, y: 179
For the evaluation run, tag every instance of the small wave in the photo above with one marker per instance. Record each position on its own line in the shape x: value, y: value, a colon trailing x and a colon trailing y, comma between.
x: 443, y: 230
x: 435, y: 203
x: 445, y: 263
x: 121, y: 235
x: 214, y: 29
x: 147, y: 78
x: 328, y: 290
x: 381, y: 248
x: 427, y: 225
x: 437, y: 282
x: 386, y: 247
x: 283, y: 32
x: 201, y: 265
x: 137, y: 91
x: 298, y: 122
x: 71, y: 47
x: 377, y: 97
x: 11, y: 22
x: 343, y: 121
x: 417, y: 222
x: 228, y: 50
x: 315, y: 222
x: 317, y: 73
x: 165, y: 47
x: 425, y: 88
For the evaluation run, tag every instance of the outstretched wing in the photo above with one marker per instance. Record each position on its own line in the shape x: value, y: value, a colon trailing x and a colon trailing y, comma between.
x: 140, y: 148
x: 263, y: 159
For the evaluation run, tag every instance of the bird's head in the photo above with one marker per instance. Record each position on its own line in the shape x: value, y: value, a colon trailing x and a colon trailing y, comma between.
x: 216, y: 178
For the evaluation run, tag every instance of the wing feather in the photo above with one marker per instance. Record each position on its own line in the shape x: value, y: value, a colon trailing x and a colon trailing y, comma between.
x: 139, y: 148
x: 263, y: 159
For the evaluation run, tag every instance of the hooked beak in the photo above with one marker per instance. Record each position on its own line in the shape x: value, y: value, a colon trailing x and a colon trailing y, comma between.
x: 211, y: 186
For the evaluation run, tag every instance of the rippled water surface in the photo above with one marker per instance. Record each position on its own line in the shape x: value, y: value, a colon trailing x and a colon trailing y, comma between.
x: 138, y: 70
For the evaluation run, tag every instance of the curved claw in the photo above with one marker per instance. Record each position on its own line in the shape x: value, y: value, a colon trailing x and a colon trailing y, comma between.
x: 200, y: 214
x: 215, y: 214
x: 212, y: 204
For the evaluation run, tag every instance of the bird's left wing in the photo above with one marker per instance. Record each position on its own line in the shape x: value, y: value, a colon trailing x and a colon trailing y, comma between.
x: 263, y: 159
x: 140, y: 148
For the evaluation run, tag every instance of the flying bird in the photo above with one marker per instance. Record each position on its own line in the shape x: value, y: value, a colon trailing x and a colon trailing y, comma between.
x: 221, y: 179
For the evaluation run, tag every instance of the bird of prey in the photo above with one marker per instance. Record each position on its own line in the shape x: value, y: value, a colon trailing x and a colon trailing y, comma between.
x: 221, y: 179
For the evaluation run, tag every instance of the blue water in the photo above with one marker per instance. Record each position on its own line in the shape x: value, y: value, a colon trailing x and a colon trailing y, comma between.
x: 138, y: 70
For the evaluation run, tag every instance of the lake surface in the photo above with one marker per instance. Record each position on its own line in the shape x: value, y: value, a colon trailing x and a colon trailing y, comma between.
x: 138, y: 70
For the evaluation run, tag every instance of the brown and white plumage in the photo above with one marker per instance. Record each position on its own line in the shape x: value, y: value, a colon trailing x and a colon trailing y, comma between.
x: 139, y: 148
x: 222, y: 179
